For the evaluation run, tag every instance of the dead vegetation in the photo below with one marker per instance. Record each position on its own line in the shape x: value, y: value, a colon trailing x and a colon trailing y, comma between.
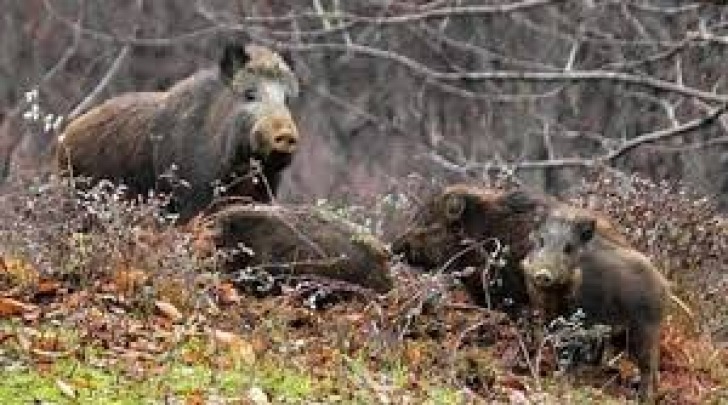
x: 110, y: 286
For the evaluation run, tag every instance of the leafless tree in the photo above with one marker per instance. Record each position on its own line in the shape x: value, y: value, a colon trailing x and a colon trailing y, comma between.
x: 450, y: 89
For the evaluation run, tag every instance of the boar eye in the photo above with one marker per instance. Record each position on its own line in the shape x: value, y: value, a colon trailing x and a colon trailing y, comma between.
x: 568, y: 248
x: 250, y: 94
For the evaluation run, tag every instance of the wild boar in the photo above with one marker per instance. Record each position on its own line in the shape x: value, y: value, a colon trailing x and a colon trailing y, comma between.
x: 461, y: 226
x: 295, y: 241
x: 577, y: 265
x: 230, y: 125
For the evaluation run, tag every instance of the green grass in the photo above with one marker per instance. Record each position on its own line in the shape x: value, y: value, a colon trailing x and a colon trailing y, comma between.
x: 113, y: 385
x: 110, y: 385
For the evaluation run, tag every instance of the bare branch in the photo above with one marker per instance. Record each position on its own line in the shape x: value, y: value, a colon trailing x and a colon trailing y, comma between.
x: 344, y: 19
x: 92, y: 98
x: 11, y: 137
x: 667, y: 133
x: 598, y: 161
x: 573, y: 76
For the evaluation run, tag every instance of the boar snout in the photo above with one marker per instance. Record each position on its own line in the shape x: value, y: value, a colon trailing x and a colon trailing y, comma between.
x: 277, y: 133
x: 543, y: 278
x: 285, y: 142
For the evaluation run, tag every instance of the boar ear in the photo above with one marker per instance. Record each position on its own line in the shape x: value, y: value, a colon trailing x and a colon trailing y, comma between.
x: 234, y: 57
x: 585, y: 229
x: 454, y: 207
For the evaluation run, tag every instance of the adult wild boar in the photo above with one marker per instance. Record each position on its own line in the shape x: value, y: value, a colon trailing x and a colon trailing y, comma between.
x: 462, y: 225
x: 212, y: 126
x: 298, y: 241
x: 575, y: 264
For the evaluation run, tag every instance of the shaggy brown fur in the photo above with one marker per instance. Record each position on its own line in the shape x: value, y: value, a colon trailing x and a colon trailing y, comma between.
x: 207, y: 128
x: 451, y: 221
x: 575, y: 264
x: 300, y: 241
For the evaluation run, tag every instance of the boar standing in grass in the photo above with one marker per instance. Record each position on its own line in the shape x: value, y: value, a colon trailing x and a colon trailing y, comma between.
x: 577, y: 265
x: 461, y: 226
x: 229, y: 124
x: 298, y: 241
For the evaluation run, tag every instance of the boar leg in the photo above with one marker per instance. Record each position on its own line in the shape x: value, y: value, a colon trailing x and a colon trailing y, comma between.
x: 645, y: 347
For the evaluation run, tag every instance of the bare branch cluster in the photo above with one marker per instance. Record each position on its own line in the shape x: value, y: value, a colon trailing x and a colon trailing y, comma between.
x: 464, y: 88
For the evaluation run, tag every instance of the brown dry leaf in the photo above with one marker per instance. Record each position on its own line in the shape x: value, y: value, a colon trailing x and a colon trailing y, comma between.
x: 32, y: 316
x: 175, y: 290
x: 66, y: 389
x: 223, y: 337
x: 203, y: 242
x: 77, y: 300
x: 5, y: 336
x: 228, y: 294
x: 11, y: 307
x: 128, y: 280
x: 260, y: 344
x: 133, y: 355
x: 239, y: 348
x: 627, y: 369
x: 355, y: 318
x: 20, y: 271
x: 512, y: 382
x: 195, y: 398
x: 193, y: 357
x: 169, y: 311
x: 48, y: 356
x: 413, y: 355
x: 47, y: 287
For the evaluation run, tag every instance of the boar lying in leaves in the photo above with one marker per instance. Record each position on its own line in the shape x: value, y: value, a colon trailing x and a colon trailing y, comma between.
x: 576, y: 265
x: 228, y: 124
x: 463, y: 225
x: 298, y: 241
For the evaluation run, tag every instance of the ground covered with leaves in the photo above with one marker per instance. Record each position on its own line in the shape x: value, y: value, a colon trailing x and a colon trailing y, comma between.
x: 103, y: 301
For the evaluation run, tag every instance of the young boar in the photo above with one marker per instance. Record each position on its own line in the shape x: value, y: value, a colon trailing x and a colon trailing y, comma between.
x: 211, y: 127
x: 299, y: 241
x: 460, y: 226
x: 576, y: 264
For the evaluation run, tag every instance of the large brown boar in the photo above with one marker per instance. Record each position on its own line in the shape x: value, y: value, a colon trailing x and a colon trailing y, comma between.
x: 229, y: 124
x: 298, y: 241
x: 462, y: 225
x: 575, y: 265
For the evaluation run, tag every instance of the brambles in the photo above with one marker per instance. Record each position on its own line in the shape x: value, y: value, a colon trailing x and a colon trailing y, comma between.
x: 89, y: 237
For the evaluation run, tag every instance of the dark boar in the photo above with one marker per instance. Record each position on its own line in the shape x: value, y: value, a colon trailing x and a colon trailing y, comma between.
x: 213, y: 126
x: 459, y: 227
x: 576, y: 264
x: 299, y: 241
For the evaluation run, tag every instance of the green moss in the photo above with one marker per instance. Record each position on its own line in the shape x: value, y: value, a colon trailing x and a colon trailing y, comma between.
x: 24, y: 387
